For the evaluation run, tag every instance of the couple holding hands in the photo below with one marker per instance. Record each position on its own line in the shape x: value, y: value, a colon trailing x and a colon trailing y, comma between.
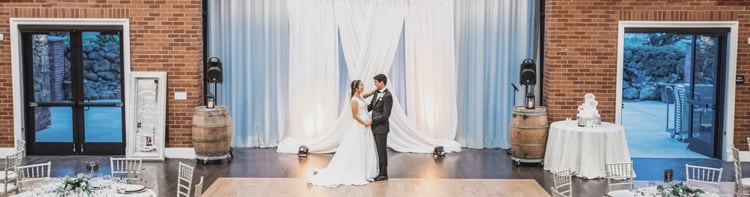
x: 361, y: 156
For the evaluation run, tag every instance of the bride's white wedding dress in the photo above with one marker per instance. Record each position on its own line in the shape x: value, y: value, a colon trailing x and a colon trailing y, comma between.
x: 356, y: 159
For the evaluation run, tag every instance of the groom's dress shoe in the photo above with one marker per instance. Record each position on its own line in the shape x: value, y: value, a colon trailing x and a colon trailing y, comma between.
x: 381, y: 178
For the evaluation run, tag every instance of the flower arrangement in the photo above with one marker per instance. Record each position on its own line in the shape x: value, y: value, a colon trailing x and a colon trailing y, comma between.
x: 79, y: 184
x: 679, y: 189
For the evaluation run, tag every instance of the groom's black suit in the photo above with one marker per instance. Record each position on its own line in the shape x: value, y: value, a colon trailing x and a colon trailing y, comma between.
x: 381, y: 111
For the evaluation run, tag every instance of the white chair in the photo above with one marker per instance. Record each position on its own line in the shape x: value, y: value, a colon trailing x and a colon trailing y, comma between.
x: 199, y: 188
x: 33, y: 172
x: 21, y: 147
x: 184, y: 180
x: 703, y: 177
x: 556, y: 193
x: 128, y: 169
x: 741, y: 185
x: 11, y: 163
x: 620, y: 179
x: 562, y: 183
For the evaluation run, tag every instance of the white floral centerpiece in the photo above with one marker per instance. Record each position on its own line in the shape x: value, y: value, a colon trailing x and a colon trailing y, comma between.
x: 678, y: 190
x: 80, y: 184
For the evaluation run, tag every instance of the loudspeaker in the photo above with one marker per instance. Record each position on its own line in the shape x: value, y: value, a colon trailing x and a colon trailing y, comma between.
x: 528, y: 72
x: 213, y: 71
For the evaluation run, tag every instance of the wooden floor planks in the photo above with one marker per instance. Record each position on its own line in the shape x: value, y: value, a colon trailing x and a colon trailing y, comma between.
x: 227, y: 187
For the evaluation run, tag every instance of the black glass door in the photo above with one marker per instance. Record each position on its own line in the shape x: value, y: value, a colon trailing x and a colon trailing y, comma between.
x: 705, y: 94
x: 73, y: 91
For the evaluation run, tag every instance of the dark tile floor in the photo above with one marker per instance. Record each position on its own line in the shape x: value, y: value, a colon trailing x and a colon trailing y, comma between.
x: 469, y: 164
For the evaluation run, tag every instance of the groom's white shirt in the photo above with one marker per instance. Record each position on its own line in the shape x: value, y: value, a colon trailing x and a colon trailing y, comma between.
x: 380, y: 94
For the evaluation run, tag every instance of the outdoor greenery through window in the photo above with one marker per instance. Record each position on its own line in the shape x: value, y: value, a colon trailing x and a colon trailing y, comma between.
x: 652, y: 60
x: 100, y: 71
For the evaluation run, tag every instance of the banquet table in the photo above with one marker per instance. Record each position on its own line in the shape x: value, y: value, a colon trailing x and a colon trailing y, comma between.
x: 585, y: 150
x: 652, y: 191
x: 47, y: 187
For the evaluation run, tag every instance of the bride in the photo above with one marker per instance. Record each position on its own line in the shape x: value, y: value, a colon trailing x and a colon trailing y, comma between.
x: 356, y: 159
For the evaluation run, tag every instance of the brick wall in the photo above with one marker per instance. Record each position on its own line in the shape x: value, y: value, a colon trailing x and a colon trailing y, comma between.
x: 165, y: 35
x: 581, y: 49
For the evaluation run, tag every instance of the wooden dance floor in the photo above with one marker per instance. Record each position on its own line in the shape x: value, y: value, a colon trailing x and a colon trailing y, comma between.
x: 392, y: 187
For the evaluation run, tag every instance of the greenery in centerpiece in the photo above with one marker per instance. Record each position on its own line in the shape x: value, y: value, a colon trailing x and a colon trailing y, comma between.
x: 679, y: 189
x: 80, y: 184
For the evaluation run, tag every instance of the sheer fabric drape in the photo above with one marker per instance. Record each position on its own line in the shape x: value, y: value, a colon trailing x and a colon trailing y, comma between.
x: 276, y: 98
x: 251, y: 37
x: 313, y: 78
x: 492, y: 38
x: 370, y: 32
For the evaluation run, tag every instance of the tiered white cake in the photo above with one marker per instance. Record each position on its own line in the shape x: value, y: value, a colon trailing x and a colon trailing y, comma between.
x: 588, y: 115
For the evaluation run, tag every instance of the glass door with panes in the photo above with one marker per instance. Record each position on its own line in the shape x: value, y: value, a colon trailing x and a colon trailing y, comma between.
x: 704, y: 93
x: 73, y: 90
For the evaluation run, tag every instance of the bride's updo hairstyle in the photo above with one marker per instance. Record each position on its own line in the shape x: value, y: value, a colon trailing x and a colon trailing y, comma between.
x: 355, y: 84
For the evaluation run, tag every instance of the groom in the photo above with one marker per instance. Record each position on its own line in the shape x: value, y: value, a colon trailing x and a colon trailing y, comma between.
x: 380, y: 106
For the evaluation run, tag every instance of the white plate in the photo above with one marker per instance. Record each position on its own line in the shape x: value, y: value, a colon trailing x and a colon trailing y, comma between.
x: 130, y: 187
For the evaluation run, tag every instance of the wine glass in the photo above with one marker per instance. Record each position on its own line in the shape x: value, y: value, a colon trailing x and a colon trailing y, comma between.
x: 38, y: 191
x: 108, y: 184
x: 106, y: 180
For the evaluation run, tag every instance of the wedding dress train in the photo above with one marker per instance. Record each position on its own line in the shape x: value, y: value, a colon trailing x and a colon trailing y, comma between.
x: 355, y: 161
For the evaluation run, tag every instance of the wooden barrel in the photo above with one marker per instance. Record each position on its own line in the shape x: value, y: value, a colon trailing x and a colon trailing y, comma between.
x: 212, y: 131
x: 528, y: 132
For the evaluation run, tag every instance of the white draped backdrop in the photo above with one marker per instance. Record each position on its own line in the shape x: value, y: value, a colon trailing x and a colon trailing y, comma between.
x: 283, y: 83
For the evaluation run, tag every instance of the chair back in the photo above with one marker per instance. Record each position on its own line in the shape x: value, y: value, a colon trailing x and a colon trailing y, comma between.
x: 199, y: 188
x: 562, y: 183
x: 703, y: 177
x: 620, y: 176
x: 126, y: 168
x: 184, y: 180
x: 14, y: 160
x: 33, y: 172
x: 21, y: 147
x: 11, y: 163
x: 739, y: 190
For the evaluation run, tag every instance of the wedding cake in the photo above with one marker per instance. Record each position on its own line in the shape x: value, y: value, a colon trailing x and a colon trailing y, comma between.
x: 588, y: 115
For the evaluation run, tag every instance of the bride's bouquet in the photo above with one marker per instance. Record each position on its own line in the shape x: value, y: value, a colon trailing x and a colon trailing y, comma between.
x: 80, y: 184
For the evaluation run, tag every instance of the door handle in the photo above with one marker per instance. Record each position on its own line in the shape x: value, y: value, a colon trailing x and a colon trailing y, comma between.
x: 81, y: 104
x: 33, y: 104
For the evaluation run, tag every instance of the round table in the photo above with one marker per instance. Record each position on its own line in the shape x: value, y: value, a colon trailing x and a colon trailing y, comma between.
x: 585, y: 150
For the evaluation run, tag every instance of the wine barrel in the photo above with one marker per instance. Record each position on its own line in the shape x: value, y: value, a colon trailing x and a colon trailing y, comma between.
x: 528, y: 133
x: 212, y: 131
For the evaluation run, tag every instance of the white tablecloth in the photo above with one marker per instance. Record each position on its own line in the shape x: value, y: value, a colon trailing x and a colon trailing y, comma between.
x: 653, y: 191
x: 145, y: 193
x: 585, y: 151
x: 46, y: 187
